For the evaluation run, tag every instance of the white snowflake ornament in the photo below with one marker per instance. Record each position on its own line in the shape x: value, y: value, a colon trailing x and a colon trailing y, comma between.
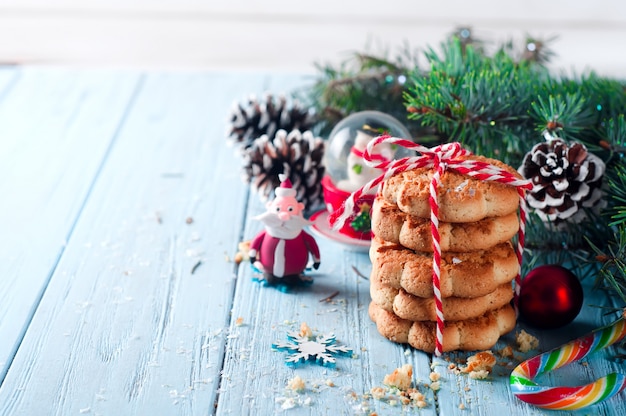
x: 321, y: 348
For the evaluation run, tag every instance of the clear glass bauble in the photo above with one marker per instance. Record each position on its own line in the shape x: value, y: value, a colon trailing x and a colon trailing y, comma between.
x: 347, y: 140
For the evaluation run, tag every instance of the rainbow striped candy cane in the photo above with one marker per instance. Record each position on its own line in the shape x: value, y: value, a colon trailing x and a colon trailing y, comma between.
x: 569, y: 398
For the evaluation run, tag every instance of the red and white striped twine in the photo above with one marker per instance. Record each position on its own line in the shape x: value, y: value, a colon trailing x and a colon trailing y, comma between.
x: 439, y: 158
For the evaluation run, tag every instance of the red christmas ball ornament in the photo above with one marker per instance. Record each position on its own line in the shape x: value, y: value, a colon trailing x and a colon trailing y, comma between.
x: 550, y: 296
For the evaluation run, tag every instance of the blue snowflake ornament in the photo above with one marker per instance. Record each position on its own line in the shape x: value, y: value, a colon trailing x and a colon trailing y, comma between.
x: 322, y: 349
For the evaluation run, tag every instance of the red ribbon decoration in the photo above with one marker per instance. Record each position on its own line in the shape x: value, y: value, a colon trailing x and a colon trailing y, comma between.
x: 377, y: 157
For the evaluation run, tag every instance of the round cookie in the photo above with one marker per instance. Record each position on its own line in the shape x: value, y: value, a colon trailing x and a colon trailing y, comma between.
x: 392, y: 225
x: 413, y: 308
x: 461, y: 198
x: 463, y: 274
x: 474, y: 334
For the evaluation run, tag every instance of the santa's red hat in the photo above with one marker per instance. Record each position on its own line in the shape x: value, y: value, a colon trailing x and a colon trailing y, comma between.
x: 285, y: 188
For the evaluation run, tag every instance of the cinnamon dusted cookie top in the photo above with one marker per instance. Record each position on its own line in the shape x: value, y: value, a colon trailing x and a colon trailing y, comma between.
x: 413, y: 308
x: 463, y: 274
x: 461, y: 198
x: 395, y: 226
x: 480, y: 333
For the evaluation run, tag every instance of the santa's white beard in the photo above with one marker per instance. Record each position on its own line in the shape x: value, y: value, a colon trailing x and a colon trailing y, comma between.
x: 282, y: 229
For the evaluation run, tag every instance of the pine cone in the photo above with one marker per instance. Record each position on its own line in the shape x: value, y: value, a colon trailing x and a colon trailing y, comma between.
x: 250, y: 122
x: 297, y: 155
x: 565, y: 179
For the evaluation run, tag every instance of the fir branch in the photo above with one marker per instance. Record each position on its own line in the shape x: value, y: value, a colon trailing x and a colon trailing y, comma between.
x: 368, y: 61
x: 612, y: 275
x: 570, y: 243
x: 617, y: 195
x: 362, y: 82
x: 499, y: 106
x: 615, y: 176
x: 566, y: 115
x: 615, y: 140
x: 538, y: 50
x: 482, y: 102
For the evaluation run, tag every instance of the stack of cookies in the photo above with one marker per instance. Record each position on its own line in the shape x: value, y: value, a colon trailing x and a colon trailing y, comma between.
x: 477, y: 220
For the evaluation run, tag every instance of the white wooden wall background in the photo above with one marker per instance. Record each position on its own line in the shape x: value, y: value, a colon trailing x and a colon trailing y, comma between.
x: 290, y: 35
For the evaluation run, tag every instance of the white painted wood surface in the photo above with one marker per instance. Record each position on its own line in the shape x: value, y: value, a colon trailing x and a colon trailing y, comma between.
x: 289, y: 35
x: 51, y: 151
x: 100, y: 312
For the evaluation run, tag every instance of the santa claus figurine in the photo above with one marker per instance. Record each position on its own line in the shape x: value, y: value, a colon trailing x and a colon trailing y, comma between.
x: 281, y: 251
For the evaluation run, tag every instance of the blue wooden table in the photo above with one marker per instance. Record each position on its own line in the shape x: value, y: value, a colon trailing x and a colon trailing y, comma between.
x: 121, y: 209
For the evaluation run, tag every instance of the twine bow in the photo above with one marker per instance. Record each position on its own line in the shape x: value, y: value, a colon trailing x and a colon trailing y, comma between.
x: 440, y: 158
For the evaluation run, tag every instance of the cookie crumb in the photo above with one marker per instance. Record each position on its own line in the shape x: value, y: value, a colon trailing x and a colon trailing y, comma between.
x: 525, y: 341
x: 421, y: 404
x: 434, y: 376
x: 378, y: 393
x: 481, y: 361
x: 239, y: 321
x: 287, y: 402
x: 479, y: 374
x: 415, y: 395
x: 397, y: 390
x: 305, y: 330
x: 242, y: 254
x: 454, y: 368
x: 400, y: 378
x: 296, y: 384
x: 506, y: 352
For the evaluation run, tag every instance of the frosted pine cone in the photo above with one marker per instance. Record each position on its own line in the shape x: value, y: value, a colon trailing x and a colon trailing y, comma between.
x: 267, y: 116
x: 565, y: 179
x: 297, y: 155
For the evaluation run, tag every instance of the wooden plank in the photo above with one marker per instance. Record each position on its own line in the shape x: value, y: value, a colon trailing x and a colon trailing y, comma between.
x: 490, y: 396
x: 141, y: 312
x: 8, y: 78
x: 55, y: 130
x: 125, y: 326
x: 258, y: 374
x: 256, y: 377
